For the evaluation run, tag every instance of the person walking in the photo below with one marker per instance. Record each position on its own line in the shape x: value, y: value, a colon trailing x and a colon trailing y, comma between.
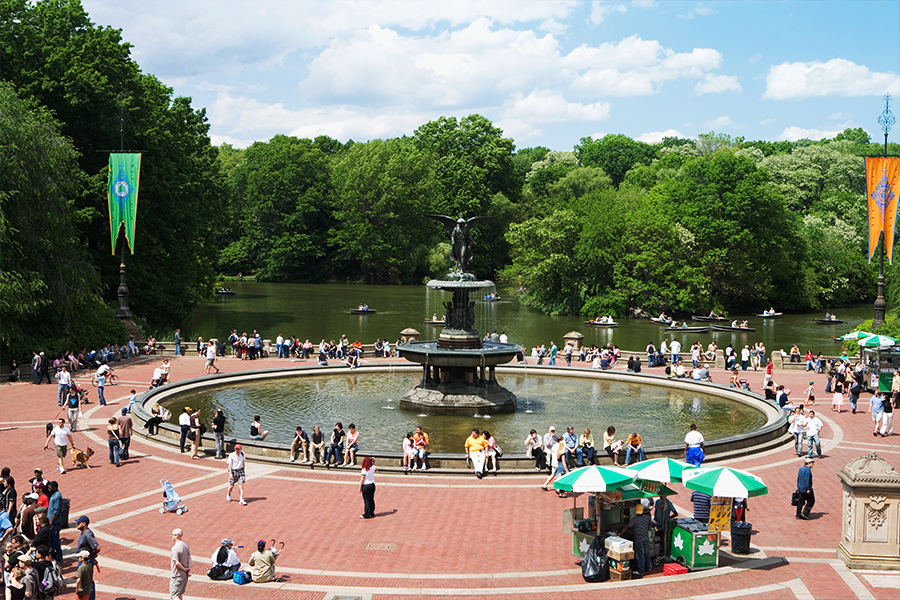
x: 197, y: 433
x: 805, y: 489
x: 112, y: 438
x: 126, y: 428
x: 887, y: 417
x: 184, y: 422
x: 72, y: 408
x: 177, y: 342
x: 235, y: 467
x: 798, y: 429
x: 181, y: 566
x: 367, y: 487
x: 62, y: 439
x: 64, y: 380
x: 54, y: 517
x: 813, y: 426
x: 876, y: 406
x: 211, y: 358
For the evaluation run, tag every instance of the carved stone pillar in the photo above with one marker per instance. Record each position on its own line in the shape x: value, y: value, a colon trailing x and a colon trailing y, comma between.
x: 870, y: 515
x: 409, y: 335
x: 576, y: 338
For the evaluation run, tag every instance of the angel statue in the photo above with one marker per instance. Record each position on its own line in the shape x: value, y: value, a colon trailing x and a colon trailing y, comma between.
x: 460, y: 238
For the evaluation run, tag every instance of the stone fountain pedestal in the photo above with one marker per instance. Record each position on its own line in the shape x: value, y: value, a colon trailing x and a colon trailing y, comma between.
x: 458, y: 369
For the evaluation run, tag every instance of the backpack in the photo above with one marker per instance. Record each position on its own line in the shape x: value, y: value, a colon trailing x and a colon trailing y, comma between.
x: 49, y: 584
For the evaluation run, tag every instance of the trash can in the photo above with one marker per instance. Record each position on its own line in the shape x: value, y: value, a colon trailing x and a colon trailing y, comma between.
x: 740, y: 537
x: 64, y: 514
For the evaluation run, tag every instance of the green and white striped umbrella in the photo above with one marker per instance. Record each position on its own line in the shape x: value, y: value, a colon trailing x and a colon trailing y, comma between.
x: 724, y: 481
x: 663, y: 470
x: 877, y: 341
x: 593, y: 479
x: 856, y: 335
x: 631, y: 491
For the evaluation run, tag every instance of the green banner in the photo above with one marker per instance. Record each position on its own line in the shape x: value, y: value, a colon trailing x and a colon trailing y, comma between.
x: 124, y: 177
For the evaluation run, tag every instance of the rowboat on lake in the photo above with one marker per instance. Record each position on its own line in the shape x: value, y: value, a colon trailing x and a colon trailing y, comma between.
x: 687, y: 329
x: 730, y: 328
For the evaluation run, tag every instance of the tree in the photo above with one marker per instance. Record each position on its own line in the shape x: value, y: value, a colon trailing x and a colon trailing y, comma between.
x: 472, y: 162
x: 84, y: 74
x: 284, y: 189
x: 616, y: 154
x: 47, y: 285
x: 380, y: 232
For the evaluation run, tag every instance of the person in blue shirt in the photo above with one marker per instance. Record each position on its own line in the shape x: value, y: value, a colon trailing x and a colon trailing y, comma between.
x: 54, y: 514
x: 805, y: 488
x: 570, y: 439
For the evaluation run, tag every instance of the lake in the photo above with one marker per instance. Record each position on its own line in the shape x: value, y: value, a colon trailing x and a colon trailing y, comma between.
x: 317, y: 311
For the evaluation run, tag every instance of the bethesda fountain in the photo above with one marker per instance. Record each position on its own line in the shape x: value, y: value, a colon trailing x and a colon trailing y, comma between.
x: 459, y: 369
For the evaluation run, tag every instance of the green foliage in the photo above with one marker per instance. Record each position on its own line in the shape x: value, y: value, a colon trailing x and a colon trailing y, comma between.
x: 383, y: 191
x: 284, y: 191
x: 47, y: 284
x: 614, y: 153
x: 83, y: 73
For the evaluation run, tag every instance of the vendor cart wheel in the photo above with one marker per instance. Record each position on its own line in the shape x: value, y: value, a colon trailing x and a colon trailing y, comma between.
x: 162, y: 511
x: 680, y: 560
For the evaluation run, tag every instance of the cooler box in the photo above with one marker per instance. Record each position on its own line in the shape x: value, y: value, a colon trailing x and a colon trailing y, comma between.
x: 581, y: 541
x: 693, y: 545
x: 618, y: 544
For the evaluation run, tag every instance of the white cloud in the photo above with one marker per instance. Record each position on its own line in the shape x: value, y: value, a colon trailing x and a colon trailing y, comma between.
x: 239, y: 115
x: 599, y: 10
x: 837, y: 77
x: 838, y: 115
x: 699, y: 11
x: 635, y: 67
x: 655, y: 137
x: 753, y: 59
x: 767, y: 121
x: 716, y: 84
x: 719, y: 123
x: 794, y: 133
x: 550, y: 107
x: 554, y: 27
x: 218, y: 140
x: 644, y: 3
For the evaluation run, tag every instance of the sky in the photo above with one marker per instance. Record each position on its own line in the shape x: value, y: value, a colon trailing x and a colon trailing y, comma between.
x: 546, y: 73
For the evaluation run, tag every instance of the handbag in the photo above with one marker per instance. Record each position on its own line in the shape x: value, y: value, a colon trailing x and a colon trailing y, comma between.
x: 498, y: 450
x: 191, y: 435
x: 241, y: 577
x: 796, y: 498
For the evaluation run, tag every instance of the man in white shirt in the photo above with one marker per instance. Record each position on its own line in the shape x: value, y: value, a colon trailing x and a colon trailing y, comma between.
x: 664, y: 347
x: 184, y: 421
x: 235, y: 467
x: 211, y: 358
x: 504, y: 339
x: 279, y: 345
x: 813, y: 426
x: 550, y: 439
x: 65, y: 380
x: 693, y: 447
x: 745, y: 357
x: 675, y: 349
x: 62, y: 438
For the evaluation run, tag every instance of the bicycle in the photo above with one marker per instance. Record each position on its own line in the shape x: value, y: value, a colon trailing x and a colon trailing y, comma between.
x: 111, y: 379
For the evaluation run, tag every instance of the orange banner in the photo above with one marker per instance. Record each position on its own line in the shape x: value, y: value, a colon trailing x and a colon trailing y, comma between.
x: 882, y: 187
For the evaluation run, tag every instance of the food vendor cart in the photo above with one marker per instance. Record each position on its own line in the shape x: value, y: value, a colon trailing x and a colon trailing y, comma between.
x: 881, y: 364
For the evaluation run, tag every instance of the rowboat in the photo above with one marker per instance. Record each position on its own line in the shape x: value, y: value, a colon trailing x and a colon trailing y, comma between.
x: 687, y: 329
x: 769, y: 316
x: 730, y: 328
x: 361, y: 311
x: 596, y: 324
x: 225, y: 292
x: 659, y: 321
x: 829, y: 321
x: 435, y: 322
x: 707, y: 319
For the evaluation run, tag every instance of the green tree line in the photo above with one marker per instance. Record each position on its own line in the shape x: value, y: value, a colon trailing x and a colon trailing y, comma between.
x: 613, y: 226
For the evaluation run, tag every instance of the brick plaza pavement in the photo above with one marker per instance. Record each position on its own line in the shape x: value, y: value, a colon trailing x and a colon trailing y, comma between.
x: 438, y: 536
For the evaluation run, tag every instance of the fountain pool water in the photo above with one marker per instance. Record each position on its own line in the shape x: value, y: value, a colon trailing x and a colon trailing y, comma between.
x: 372, y: 401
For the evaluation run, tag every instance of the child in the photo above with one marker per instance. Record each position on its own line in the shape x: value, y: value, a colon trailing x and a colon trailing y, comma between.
x: 810, y: 394
x: 132, y: 399
x: 837, y: 400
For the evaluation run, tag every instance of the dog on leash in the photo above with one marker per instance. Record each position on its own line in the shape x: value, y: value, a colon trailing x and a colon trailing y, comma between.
x: 82, y: 457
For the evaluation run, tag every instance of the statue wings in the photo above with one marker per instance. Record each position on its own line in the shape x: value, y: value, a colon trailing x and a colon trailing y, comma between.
x: 450, y: 222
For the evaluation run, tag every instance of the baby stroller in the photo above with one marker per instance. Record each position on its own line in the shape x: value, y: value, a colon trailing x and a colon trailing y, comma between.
x: 82, y: 394
x: 173, y: 502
